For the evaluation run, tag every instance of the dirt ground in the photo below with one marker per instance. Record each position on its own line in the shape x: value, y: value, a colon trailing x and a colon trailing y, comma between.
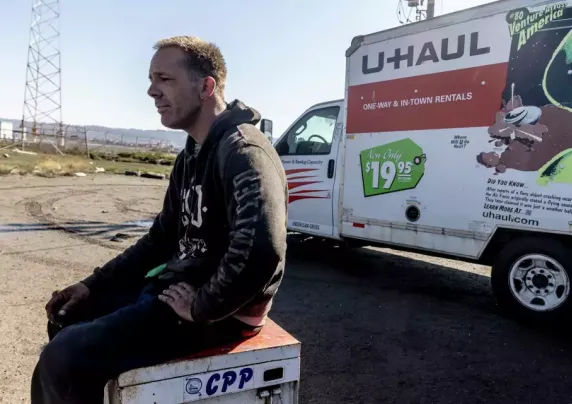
x: 376, y: 326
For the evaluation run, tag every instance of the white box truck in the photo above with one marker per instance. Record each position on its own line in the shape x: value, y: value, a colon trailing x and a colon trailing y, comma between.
x: 454, y: 137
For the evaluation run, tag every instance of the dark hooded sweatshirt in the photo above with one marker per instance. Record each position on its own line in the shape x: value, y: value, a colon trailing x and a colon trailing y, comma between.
x: 222, y: 228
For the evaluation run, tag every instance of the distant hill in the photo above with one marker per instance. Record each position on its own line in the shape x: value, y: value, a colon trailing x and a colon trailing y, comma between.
x: 100, y: 133
x: 175, y: 138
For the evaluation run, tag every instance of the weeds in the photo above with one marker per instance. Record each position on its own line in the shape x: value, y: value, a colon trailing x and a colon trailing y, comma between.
x: 135, y: 157
x: 50, y: 167
x: 53, y: 166
x: 6, y: 168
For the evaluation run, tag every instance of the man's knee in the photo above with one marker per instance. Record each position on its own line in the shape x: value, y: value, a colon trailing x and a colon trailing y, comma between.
x: 63, y: 369
x: 61, y: 356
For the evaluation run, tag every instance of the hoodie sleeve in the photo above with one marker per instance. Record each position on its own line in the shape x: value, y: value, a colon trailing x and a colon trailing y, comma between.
x: 151, y: 250
x: 254, y: 194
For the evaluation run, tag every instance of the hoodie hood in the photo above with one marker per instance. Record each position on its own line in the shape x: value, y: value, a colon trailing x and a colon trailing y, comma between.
x: 236, y: 113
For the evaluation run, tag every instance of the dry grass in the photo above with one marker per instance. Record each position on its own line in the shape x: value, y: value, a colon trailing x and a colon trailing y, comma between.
x: 53, y: 166
x: 5, y: 168
x: 50, y: 166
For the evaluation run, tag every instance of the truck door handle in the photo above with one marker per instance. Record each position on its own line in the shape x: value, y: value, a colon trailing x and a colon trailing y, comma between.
x: 331, y: 165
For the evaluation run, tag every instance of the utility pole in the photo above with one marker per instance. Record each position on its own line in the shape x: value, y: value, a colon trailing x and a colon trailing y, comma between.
x: 42, y: 96
x: 430, y: 9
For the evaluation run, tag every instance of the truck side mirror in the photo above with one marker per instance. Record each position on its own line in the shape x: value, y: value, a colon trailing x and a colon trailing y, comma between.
x: 266, y: 128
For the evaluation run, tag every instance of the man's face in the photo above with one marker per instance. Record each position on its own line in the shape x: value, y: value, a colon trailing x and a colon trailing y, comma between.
x: 177, y: 97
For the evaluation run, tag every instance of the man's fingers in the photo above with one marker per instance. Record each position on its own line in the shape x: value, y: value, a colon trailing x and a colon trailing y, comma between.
x: 67, y: 306
x: 167, y: 299
x: 180, y: 289
x: 186, y: 286
x: 55, y: 297
x: 55, y: 302
x: 172, y: 298
x: 172, y: 294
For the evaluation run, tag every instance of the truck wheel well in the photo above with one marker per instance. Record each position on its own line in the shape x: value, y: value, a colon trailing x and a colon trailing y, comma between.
x: 503, y: 236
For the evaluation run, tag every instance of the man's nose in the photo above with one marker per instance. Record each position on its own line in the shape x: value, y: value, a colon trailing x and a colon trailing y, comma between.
x: 152, y: 91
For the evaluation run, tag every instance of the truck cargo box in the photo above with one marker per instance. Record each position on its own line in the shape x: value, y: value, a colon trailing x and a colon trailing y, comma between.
x: 454, y: 137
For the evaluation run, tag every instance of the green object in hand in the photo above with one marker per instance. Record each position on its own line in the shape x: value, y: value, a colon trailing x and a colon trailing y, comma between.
x: 156, y: 271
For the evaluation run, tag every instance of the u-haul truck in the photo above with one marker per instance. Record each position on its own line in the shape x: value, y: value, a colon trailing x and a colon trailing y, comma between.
x: 454, y: 137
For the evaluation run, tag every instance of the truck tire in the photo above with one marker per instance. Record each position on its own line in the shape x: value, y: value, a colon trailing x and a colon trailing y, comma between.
x: 531, y: 280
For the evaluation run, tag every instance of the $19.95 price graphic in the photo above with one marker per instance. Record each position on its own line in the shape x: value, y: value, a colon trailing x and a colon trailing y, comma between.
x: 392, y: 167
x: 387, y: 172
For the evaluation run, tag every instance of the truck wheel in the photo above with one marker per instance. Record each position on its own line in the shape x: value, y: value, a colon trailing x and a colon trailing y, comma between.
x: 531, y: 279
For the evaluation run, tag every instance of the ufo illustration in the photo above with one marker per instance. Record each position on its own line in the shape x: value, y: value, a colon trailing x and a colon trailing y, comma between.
x: 523, y: 116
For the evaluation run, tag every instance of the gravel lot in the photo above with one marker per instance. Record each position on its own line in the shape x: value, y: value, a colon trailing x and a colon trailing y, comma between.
x: 377, y: 326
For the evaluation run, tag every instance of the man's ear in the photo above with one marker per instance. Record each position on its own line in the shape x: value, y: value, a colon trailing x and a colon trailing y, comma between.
x: 209, y: 87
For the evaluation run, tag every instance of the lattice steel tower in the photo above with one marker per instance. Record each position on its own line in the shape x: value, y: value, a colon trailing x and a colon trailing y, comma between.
x: 42, y: 99
x: 421, y: 13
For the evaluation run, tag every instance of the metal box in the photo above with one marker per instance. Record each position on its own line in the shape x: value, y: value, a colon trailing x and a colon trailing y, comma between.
x: 263, y: 369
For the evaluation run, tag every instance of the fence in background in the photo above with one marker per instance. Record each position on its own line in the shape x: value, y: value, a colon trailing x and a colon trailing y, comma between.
x: 78, y: 140
x: 112, y: 143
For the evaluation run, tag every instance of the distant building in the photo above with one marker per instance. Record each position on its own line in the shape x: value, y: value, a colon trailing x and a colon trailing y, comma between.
x: 6, y: 130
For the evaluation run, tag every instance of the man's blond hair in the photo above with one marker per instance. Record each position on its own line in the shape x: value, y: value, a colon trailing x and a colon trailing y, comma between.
x: 203, y: 58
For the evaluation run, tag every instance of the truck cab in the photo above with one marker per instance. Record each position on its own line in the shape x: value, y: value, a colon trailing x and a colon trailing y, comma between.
x: 310, y: 151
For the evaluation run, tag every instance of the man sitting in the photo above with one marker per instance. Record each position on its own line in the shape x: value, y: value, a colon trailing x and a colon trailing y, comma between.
x: 209, y: 267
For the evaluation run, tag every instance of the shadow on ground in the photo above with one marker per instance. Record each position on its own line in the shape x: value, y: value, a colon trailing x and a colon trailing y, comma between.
x: 380, y: 328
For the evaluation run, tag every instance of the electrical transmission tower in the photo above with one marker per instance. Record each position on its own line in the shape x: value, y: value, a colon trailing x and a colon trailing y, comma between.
x: 42, y: 98
x: 415, y: 6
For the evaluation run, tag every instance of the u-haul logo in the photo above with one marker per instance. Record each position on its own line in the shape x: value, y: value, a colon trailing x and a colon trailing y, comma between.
x: 445, y: 50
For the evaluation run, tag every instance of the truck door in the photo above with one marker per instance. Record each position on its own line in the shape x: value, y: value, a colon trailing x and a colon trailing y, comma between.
x: 308, y: 151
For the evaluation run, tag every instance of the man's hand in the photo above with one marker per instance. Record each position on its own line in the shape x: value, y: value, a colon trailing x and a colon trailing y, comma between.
x: 63, y: 301
x: 180, y: 297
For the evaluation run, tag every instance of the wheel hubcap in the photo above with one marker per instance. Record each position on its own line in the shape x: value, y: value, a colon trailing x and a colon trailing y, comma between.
x: 539, y: 282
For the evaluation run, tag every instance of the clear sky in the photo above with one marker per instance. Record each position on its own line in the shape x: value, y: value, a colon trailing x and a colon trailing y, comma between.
x: 282, y: 56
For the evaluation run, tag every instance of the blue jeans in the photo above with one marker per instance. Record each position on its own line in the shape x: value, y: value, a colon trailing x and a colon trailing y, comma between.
x: 120, y: 332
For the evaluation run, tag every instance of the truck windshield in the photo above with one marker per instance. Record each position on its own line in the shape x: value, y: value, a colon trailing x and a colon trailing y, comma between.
x: 312, y: 134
